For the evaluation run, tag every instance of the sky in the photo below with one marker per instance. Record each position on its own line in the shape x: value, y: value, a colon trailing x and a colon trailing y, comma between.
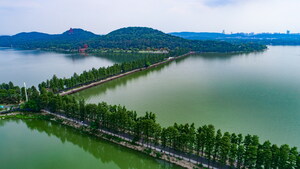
x: 104, y: 16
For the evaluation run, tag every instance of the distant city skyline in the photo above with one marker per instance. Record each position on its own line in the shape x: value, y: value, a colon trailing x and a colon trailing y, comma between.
x: 101, y: 17
x: 221, y: 32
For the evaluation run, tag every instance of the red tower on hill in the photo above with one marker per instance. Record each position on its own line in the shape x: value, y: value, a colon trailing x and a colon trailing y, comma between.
x: 71, y: 31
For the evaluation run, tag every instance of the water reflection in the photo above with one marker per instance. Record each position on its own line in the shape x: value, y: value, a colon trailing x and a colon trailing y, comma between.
x: 104, y: 151
x: 225, y: 56
x: 33, y: 66
x: 121, y: 82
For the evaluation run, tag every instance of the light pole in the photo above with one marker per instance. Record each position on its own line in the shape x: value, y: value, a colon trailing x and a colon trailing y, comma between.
x: 25, y: 92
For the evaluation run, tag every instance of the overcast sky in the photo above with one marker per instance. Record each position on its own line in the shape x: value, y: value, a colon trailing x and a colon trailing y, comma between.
x: 103, y: 16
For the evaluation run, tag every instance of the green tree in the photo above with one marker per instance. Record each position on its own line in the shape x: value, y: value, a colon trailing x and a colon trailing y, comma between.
x: 210, y: 141
x: 224, y: 148
x: 217, y: 145
x: 298, y: 162
x: 200, y: 140
x: 233, y: 154
x: 292, y: 160
x: 275, y: 156
x: 240, y: 156
x: 267, y: 154
x: 283, y: 156
x: 82, y: 109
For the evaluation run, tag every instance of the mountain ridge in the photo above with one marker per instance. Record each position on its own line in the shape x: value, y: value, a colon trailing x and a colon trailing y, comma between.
x: 139, y: 38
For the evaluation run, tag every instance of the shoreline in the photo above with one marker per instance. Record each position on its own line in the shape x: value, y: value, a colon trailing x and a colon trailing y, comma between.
x: 78, y: 89
x: 105, y: 135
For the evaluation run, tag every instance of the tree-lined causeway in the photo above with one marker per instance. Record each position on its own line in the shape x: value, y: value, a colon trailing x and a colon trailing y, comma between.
x: 256, y: 93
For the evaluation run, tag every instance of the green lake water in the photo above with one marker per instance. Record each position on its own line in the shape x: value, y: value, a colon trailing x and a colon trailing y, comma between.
x: 256, y: 93
x: 37, y: 144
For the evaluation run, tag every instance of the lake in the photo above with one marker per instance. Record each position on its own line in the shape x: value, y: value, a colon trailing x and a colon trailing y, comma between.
x: 256, y: 93
x: 33, y: 66
x: 36, y: 144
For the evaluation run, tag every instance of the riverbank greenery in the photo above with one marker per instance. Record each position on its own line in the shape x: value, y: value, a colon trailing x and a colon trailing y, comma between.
x: 26, y: 115
x: 11, y: 94
x: 232, y: 149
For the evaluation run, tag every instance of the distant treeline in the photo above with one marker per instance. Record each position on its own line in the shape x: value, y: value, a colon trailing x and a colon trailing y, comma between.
x: 131, y: 38
x: 262, y: 38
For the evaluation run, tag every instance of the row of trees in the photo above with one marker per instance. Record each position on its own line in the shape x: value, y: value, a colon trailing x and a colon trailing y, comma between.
x: 11, y: 94
x: 204, y: 141
x: 58, y: 84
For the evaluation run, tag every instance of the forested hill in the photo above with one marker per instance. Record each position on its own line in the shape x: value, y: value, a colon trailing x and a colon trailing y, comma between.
x: 70, y: 39
x: 261, y: 38
x: 138, y: 38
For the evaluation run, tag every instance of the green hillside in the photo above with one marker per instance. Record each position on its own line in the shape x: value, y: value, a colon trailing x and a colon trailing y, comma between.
x: 137, y: 38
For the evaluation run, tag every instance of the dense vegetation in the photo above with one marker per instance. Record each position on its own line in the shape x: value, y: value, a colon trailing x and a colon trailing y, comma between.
x: 142, y: 38
x: 9, y: 93
x: 263, y: 38
x: 133, y: 38
x: 226, y: 148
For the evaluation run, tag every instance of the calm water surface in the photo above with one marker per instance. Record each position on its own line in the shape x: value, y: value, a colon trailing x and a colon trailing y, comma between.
x: 257, y: 93
x: 33, y: 67
x: 36, y: 144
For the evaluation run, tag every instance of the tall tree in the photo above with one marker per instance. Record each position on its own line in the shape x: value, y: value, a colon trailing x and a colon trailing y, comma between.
x: 233, y: 155
x: 224, y: 148
x: 210, y: 141
x: 240, y: 156
x: 283, y: 156
x: 217, y: 145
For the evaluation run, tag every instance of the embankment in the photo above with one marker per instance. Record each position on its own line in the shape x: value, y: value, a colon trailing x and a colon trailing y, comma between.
x: 75, y: 90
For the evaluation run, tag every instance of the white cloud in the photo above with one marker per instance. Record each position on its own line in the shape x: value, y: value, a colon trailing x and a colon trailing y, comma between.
x: 99, y: 16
